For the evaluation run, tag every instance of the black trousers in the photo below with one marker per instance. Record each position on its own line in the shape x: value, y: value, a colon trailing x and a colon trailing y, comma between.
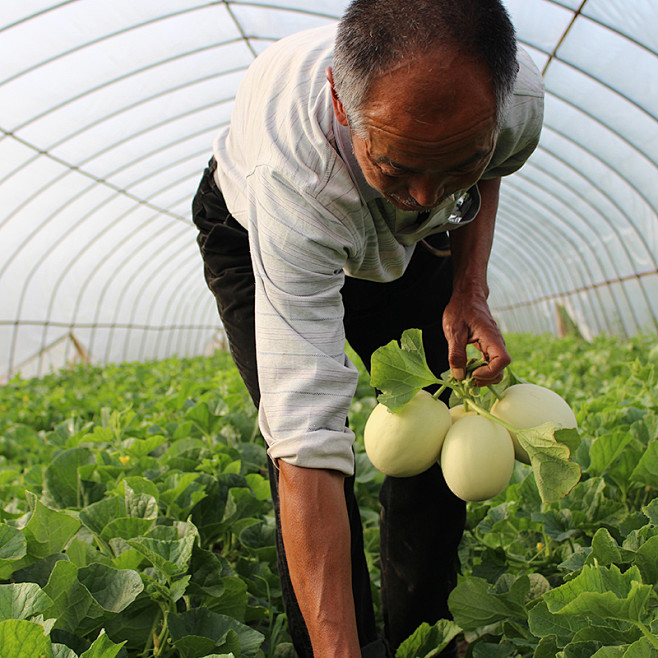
x: 421, y: 520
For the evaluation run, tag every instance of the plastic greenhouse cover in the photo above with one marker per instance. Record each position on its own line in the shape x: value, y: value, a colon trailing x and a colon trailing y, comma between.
x: 108, y: 112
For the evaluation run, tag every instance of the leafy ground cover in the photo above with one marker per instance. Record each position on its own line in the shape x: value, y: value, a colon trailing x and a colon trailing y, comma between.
x: 135, y: 517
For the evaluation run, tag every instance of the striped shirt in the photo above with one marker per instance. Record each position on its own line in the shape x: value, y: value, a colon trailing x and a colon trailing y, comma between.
x: 288, y: 175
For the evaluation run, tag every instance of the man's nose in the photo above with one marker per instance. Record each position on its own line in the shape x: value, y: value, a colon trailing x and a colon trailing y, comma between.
x: 426, y: 191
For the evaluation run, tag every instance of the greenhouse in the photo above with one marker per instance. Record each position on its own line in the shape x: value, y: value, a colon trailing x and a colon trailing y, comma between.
x: 108, y: 114
x: 108, y: 117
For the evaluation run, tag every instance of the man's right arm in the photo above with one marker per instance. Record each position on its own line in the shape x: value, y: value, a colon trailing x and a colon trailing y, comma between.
x: 316, y: 537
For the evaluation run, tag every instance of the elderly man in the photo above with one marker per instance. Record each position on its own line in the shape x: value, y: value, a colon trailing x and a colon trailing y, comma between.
x: 354, y: 196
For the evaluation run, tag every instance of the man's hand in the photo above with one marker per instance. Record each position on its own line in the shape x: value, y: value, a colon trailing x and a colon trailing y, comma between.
x: 316, y: 536
x: 468, y: 320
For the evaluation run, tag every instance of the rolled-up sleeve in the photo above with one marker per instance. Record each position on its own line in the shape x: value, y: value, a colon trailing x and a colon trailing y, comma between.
x: 306, y: 381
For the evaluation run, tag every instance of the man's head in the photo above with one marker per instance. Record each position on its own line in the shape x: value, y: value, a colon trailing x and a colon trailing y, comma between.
x: 422, y: 85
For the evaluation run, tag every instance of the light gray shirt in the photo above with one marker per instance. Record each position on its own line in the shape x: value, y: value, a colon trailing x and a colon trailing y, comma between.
x: 288, y: 174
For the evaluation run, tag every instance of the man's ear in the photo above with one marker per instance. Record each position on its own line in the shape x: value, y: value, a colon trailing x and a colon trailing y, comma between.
x: 339, y: 110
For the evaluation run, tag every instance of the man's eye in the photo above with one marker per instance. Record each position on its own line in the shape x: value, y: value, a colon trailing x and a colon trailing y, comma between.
x: 390, y: 171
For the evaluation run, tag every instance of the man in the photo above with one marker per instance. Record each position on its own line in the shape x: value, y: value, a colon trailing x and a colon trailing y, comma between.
x: 323, y: 216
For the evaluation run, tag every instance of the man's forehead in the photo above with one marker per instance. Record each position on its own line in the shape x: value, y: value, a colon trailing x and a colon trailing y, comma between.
x: 476, y: 157
x: 418, y: 150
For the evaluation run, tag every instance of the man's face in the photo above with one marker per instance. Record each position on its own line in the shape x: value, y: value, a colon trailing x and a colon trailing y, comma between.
x: 431, y: 130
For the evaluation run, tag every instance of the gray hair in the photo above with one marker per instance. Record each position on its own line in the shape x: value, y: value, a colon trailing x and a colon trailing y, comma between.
x: 375, y: 35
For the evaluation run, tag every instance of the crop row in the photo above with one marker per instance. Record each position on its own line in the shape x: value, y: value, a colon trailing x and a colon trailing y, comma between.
x: 136, y: 517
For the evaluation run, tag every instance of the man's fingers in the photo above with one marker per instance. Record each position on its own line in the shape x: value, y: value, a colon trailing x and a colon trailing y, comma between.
x: 457, y: 354
x: 493, y: 372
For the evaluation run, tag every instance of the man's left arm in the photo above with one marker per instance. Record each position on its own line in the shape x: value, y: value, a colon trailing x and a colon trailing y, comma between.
x: 467, y: 318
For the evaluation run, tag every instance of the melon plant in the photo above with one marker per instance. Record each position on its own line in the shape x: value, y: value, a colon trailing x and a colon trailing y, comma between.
x: 401, y: 371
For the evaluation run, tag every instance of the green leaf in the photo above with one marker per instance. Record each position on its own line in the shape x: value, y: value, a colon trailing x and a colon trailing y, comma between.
x: 125, y: 517
x: 603, y: 592
x: 199, y: 631
x: 61, y: 480
x: 126, y: 528
x: 38, y: 572
x: 12, y: 543
x: 73, y: 606
x: 555, y: 475
x: 646, y: 471
x: 113, y: 589
x: 13, y: 547
x: 142, y: 447
x: 580, y: 649
x: 428, y: 641
x: 168, y: 556
x: 547, y: 647
x: 646, y: 559
x: 543, y: 623
x: 212, y: 579
x: 48, y: 531
x: 97, y: 515
x: 134, y: 623
x: 618, y: 651
x: 83, y: 554
x: 607, y: 449
x: 643, y: 648
x: 22, y: 600
x: 400, y: 371
x: 184, y: 492
x: 102, y: 647
x: 605, y: 550
x: 23, y: 639
x: 259, y: 485
x: 490, y: 650
x: 178, y: 588
x: 137, y: 485
x: 473, y: 605
x: 651, y: 511
x: 62, y: 651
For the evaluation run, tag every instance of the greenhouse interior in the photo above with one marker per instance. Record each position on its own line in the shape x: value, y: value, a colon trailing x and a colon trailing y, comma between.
x: 108, y: 114
x: 108, y: 117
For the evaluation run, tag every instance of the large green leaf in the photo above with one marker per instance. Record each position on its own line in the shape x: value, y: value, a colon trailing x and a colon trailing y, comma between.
x: 22, y: 600
x: 646, y: 471
x: 102, y: 647
x: 13, y: 547
x: 12, y: 543
x: 646, y: 560
x: 112, y: 589
x: 607, y: 449
x: 126, y: 517
x: 547, y: 647
x: 168, y: 556
x: 603, y: 592
x: 543, y: 623
x: 62, y: 651
x: 23, y: 639
x: 428, y: 641
x: 399, y: 371
x: 555, y: 475
x: 62, y: 477
x: 605, y: 550
x: 73, y: 606
x: 199, y: 631
x: 473, y: 605
x: 47, y: 531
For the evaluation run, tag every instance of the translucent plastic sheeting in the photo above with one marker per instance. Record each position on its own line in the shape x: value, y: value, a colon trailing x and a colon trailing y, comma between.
x: 108, y: 111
